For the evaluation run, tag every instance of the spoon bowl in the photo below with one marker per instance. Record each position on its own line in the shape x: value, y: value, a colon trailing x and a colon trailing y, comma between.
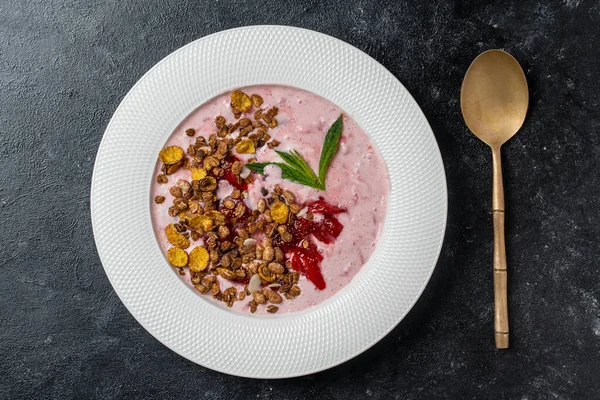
x: 494, y: 97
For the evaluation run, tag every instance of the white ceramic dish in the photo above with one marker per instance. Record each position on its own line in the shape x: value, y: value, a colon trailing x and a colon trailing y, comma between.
x: 286, y: 345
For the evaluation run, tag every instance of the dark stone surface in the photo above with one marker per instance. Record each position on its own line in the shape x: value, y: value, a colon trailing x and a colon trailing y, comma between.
x: 64, y: 67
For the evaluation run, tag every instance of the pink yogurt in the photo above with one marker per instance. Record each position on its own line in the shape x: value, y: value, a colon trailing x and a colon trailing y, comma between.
x: 357, y: 179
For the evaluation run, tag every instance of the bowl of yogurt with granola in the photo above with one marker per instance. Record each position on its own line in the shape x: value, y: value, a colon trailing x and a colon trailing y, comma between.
x: 268, y: 199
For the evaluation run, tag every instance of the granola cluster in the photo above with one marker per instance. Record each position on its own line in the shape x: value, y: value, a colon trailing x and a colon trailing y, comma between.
x: 238, y: 244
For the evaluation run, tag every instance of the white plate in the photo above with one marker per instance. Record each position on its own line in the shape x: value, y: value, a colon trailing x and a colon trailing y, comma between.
x: 286, y: 345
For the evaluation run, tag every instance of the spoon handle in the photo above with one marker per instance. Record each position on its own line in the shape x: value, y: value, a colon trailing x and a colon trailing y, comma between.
x: 500, y: 292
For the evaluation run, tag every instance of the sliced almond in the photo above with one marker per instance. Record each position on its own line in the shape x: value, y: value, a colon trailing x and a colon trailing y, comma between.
x: 254, y: 284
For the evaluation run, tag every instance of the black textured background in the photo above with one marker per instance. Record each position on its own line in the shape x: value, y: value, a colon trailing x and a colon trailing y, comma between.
x: 65, y: 66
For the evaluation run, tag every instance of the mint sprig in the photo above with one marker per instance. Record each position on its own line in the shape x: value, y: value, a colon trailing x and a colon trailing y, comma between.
x: 295, y: 168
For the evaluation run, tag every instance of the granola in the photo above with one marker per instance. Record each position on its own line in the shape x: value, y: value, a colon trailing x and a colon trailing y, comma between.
x: 223, y: 241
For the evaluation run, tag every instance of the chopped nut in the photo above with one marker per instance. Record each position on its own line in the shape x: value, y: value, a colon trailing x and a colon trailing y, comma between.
x: 184, y: 185
x: 242, y: 233
x: 270, y: 229
x: 190, y: 132
x: 200, y: 154
x: 272, y: 112
x: 259, y: 252
x: 295, y: 290
x: 272, y: 309
x: 226, y: 261
x: 248, y: 257
x: 236, y: 263
x: 268, y: 216
x: 180, y: 227
x: 233, y: 127
x: 231, y: 292
x: 262, y: 205
x: 259, y: 298
x: 241, y: 274
x: 214, y: 256
x: 245, y: 131
x: 276, y: 268
x: 289, y: 196
x: 237, y: 167
x: 217, y: 171
x: 253, y: 306
x: 193, y: 206
x: 180, y: 204
x: 162, y: 179
x: 227, y: 273
x: 202, y: 289
x: 295, y: 208
x: 171, y: 169
x: 212, y: 140
x: 242, y: 295
x: 159, y: 199
x: 273, y: 143
x: 274, y: 297
x: 210, y: 162
x: 223, y: 231
x: 268, y: 254
x: 256, y: 100
x: 240, y: 210
x: 220, y: 121
x: 224, y: 131
x: 267, y: 118
x: 228, y: 204
x: 208, y: 184
x: 216, y: 288
x: 279, y: 255
x: 221, y: 149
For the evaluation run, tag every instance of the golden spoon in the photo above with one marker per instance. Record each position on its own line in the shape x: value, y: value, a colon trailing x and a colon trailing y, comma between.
x: 494, y: 99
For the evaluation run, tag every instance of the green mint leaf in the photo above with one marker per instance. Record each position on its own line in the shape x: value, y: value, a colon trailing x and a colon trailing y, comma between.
x: 330, y: 147
x: 296, y: 169
x: 295, y: 160
x: 258, y: 167
x: 290, y: 173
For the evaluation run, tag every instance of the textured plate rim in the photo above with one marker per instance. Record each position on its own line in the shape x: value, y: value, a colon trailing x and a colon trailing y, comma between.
x: 439, y: 164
